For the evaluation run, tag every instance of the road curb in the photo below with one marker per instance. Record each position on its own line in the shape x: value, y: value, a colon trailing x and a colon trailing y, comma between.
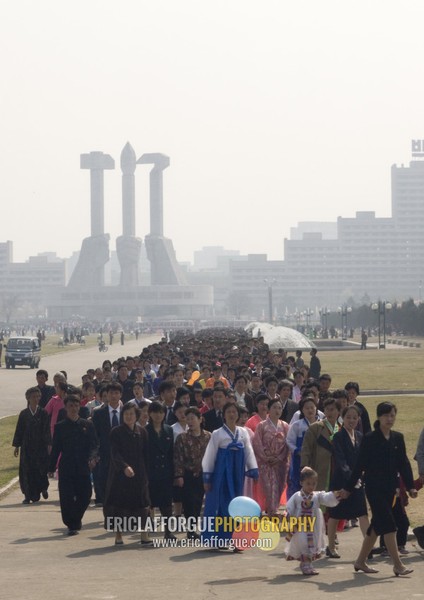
x: 9, y: 487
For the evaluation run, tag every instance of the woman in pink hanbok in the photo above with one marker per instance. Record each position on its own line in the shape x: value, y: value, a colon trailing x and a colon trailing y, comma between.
x: 273, y: 457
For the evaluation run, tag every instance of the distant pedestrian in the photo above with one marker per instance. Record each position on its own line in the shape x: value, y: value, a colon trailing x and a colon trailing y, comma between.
x: 314, y: 365
x: 32, y: 440
x: 364, y: 339
x: 122, y: 338
x: 299, y: 363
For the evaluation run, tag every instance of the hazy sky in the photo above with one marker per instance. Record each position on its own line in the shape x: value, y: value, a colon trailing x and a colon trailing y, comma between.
x: 271, y: 111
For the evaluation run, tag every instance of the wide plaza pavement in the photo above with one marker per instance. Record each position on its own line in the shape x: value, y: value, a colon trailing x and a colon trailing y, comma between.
x: 39, y: 561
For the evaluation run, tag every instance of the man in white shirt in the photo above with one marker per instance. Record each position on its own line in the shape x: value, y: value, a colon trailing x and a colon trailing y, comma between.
x: 242, y: 397
x: 297, y: 388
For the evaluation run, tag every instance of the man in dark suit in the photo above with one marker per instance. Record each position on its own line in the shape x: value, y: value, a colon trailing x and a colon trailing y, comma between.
x: 131, y: 368
x: 126, y: 383
x: 314, y: 365
x: 213, y: 418
x: 167, y: 396
x: 104, y: 418
x: 75, y: 441
x: 289, y: 406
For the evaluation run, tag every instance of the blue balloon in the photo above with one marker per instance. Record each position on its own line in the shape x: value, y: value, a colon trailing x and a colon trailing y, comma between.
x: 242, y: 506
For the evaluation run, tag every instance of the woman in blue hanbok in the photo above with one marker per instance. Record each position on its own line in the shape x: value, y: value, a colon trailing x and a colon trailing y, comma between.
x: 228, y: 459
x: 308, y: 415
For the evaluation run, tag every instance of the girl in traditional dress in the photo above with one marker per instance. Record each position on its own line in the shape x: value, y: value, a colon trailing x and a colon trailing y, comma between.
x: 229, y: 457
x: 308, y: 546
x: 272, y: 454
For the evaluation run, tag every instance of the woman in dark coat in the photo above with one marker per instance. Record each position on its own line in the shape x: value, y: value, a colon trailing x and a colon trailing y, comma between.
x: 32, y: 439
x: 382, y: 458
x: 346, y: 446
x: 161, y: 462
x: 127, y: 489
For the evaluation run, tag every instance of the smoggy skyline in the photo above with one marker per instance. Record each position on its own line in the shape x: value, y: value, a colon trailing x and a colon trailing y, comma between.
x: 271, y: 113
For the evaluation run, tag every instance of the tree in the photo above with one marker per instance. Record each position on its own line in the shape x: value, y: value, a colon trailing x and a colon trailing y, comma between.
x: 238, y: 304
x: 9, y: 304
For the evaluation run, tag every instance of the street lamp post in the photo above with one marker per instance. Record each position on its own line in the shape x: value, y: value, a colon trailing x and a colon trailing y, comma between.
x: 270, y: 283
x: 308, y: 314
x: 324, y: 312
x: 297, y: 316
x: 381, y: 307
x: 344, y: 311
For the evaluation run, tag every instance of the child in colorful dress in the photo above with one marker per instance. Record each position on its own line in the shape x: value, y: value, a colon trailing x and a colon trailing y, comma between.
x: 307, y: 546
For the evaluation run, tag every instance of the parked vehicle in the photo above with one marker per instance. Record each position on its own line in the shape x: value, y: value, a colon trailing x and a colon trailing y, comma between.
x: 23, y: 351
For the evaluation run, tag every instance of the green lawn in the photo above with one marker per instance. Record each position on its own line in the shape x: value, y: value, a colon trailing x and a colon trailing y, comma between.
x: 8, y: 463
x: 51, y: 345
x: 390, y: 369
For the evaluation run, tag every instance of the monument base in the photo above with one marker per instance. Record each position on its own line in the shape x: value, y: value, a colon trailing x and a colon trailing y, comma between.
x: 182, y: 301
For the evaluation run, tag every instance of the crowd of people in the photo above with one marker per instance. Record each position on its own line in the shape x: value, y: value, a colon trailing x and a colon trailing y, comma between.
x: 192, y: 423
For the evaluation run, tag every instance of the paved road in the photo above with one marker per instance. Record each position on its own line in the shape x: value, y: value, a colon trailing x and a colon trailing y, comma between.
x: 14, y: 382
x: 38, y: 562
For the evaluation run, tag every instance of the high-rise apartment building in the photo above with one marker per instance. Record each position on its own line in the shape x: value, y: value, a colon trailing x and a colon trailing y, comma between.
x: 377, y: 257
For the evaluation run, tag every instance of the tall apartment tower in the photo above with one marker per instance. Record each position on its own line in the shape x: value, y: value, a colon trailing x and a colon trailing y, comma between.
x: 408, y: 217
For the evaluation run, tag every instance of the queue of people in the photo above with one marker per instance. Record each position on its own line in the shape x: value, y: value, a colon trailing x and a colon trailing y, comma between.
x: 201, y: 420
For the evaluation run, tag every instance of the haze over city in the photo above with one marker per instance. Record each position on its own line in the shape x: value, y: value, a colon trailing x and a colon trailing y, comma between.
x: 271, y: 113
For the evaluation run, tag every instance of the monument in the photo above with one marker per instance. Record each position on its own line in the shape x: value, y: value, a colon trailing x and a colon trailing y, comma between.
x: 94, y: 254
x: 128, y: 246
x: 168, y: 294
x: 160, y: 250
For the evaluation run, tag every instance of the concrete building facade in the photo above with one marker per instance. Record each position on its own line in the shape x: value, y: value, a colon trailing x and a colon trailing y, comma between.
x: 28, y: 284
x: 381, y: 258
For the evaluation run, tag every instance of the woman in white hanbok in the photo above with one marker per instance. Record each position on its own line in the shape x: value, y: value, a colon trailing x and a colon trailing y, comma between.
x: 228, y: 459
